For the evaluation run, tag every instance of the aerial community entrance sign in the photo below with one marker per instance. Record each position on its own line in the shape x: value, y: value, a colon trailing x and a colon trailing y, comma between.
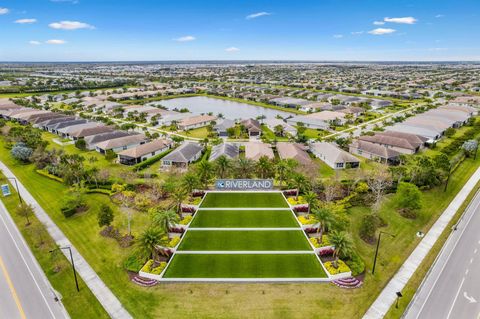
x: 244, y: 184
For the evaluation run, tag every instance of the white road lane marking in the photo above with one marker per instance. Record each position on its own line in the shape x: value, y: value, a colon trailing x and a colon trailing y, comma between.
x: 456, y: 296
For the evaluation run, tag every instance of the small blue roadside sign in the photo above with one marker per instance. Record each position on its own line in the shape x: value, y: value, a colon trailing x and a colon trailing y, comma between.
x: 5, y: 190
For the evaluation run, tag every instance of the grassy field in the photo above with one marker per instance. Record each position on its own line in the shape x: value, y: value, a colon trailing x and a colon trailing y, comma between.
x: 81, y: 304
x: 244, y: 218
x: 224, y: 300
x: 244, y: 240
x: 245, y: 266
x: 252, y: 200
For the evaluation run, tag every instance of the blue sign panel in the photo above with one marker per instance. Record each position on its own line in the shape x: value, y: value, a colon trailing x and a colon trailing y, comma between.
x: 5, y: 190
x: 244, y: 184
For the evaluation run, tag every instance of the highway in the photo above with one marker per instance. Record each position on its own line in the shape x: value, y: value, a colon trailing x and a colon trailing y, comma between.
x: 452, y: 287
x: 24, y: 289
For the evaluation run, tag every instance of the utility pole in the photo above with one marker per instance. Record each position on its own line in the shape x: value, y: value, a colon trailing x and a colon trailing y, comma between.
x: 376, y: 250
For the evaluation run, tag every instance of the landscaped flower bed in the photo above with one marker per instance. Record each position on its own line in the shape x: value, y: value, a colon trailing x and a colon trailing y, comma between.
x: 147, y: 268
x: 186, y: 220
x: 290, y: 192
x: 179, y: 230
x: 188, y: 209
x: 342, y: 267
x: 307, y: 220
x: 198, y: 193
x: 317, y: 243
x: 296, y: 201
x: 194, y: 201
x: 300, y: 208
x: 173, y: 242
x: 327, y: 251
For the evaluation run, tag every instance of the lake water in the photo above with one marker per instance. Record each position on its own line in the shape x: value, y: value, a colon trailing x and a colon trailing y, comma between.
x: 230, y: 109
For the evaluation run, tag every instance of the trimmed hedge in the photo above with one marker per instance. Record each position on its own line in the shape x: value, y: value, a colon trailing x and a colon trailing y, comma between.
x: 99, y: 191
x: 152, y: 160
x: 48, y: 175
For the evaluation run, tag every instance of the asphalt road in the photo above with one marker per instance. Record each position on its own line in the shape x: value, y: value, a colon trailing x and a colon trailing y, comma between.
x: 24, y: 289
x: 452, y: 288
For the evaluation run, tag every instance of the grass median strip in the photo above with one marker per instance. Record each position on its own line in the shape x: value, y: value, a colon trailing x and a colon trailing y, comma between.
x: 244, y: 240
x: 252, y: 200
x: 244, y: 218
x: 245, y: 266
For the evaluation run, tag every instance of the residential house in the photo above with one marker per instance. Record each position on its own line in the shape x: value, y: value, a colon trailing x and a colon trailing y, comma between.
x: 293, y: 151
x: 253, y: 127
x: 222, y: 126
x: 334, y: 156
x: 255, y: 150
x: 404, y: 143
x: 143, y: 152
x: 196, y: 122
x: 374, y: 152
x: 181, y: 157
x: 228, y: 150
x: 120, y: 143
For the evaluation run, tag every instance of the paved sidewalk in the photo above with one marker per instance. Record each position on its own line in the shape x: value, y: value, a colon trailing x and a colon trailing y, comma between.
x: 106, y: 298
x: 388, y: 295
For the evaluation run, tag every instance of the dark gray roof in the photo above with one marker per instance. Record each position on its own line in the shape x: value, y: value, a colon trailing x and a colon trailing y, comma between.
x: 57, y: 120
x: 185, y: 153
x: 94, y: 139
x: 66, y: 124
x: 228, y: 149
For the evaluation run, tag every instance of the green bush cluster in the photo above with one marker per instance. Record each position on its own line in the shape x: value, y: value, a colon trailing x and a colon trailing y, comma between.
x: 457, y: 143
x: 133, y: 263
x: 152, y: 160
x: 48, y: 175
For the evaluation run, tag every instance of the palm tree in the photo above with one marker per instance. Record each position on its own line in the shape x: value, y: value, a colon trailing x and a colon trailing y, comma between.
x: 179, y: 196
x: 163, y: 218
x: 190, y: 182
x: 244, y: 167
x: 342, y: 243
x: 148, y: 242
x: 223, y: 166
x: 205, y: 172
x: 298, y: 181
x: 264, y: 167
x: 311, y: 199
x: 325, y: 220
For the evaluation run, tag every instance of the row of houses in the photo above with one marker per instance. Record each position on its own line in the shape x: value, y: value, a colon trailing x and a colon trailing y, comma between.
x: 411, y: 136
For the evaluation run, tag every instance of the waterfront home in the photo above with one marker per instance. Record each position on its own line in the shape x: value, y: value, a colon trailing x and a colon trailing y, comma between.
x: 222, y: 126
x: 196, y: 122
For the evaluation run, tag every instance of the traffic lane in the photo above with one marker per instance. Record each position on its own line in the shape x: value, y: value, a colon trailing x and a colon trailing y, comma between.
x: 30, y: 284
x: 8, y: 306
x: 449, y: 287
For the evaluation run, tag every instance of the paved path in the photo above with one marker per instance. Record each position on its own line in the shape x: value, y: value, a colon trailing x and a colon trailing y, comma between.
x: 388, y: 295
x: 452, y: 287
x: 106, y: 298
x: 25, y: 291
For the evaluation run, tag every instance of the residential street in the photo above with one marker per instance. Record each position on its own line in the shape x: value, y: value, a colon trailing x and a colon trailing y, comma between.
x: 24, y: 289
x: 452, y: 289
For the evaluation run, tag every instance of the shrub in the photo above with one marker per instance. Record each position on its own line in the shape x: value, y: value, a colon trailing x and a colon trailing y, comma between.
x: 110, y: 155
x: 409, y: 199
x: 356, y: 264
x: 105, y: 215
x: 21, y: 152
x: 369, y: 226
x: 198, y: 193
x: 310, y: 220
x: 133, y: 263
x: 152, y: 160
x: 326, y: 252
x: 300, y: 208
x: 71, y: 204
x: 154, y: 271
x: 173, y: 242
x: 81, y: 144
x: 341, y: 267
x: 48, y: 175
x: 292, y: 201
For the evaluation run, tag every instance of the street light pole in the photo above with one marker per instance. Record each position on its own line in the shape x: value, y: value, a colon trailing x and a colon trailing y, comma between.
x: 73, y: 264
x: 17, y: 189
x: 376, y: 250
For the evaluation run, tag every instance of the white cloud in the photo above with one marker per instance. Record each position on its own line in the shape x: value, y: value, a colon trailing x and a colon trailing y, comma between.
x: 378, y: 22
x: 338, y: 36
x: 382, y: 31
x: 4, y: 11
x: 257, y: 15
x: 25, y: 21
x: 186, y: 38
x: 404, y: 20
x: 232, y: 49
x: 33, y: 42
x: 55, y: 41
x: 439, y: 16
x: 357, y: 32
x: 70, y: 25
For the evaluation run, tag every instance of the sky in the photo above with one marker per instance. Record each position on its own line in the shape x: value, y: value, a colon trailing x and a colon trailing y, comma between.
x: 320, y: 30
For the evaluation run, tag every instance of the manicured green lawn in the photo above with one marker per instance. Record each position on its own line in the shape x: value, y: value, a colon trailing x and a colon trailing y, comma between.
x: 244, y: 240
x: 245, y: 266
x: 252, y: 200
x: 244, y: 218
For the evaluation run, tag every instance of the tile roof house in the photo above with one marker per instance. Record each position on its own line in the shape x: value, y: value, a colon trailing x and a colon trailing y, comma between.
x: 374, y: 152
x: 120, y: 143
x: 196, y: 122
x: 65, y: 132
x: 404, y: 143
x: 185, y: 154
x: 97, y: 138
x: 143, y: 152
x: 89, y: 131
x: 229, y: 150
x: 294, y: 151
x: 255, y: 150
x: 334, y: 156
x: 222, y: 126
x: 253, y: 127
x: 54, y: 128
